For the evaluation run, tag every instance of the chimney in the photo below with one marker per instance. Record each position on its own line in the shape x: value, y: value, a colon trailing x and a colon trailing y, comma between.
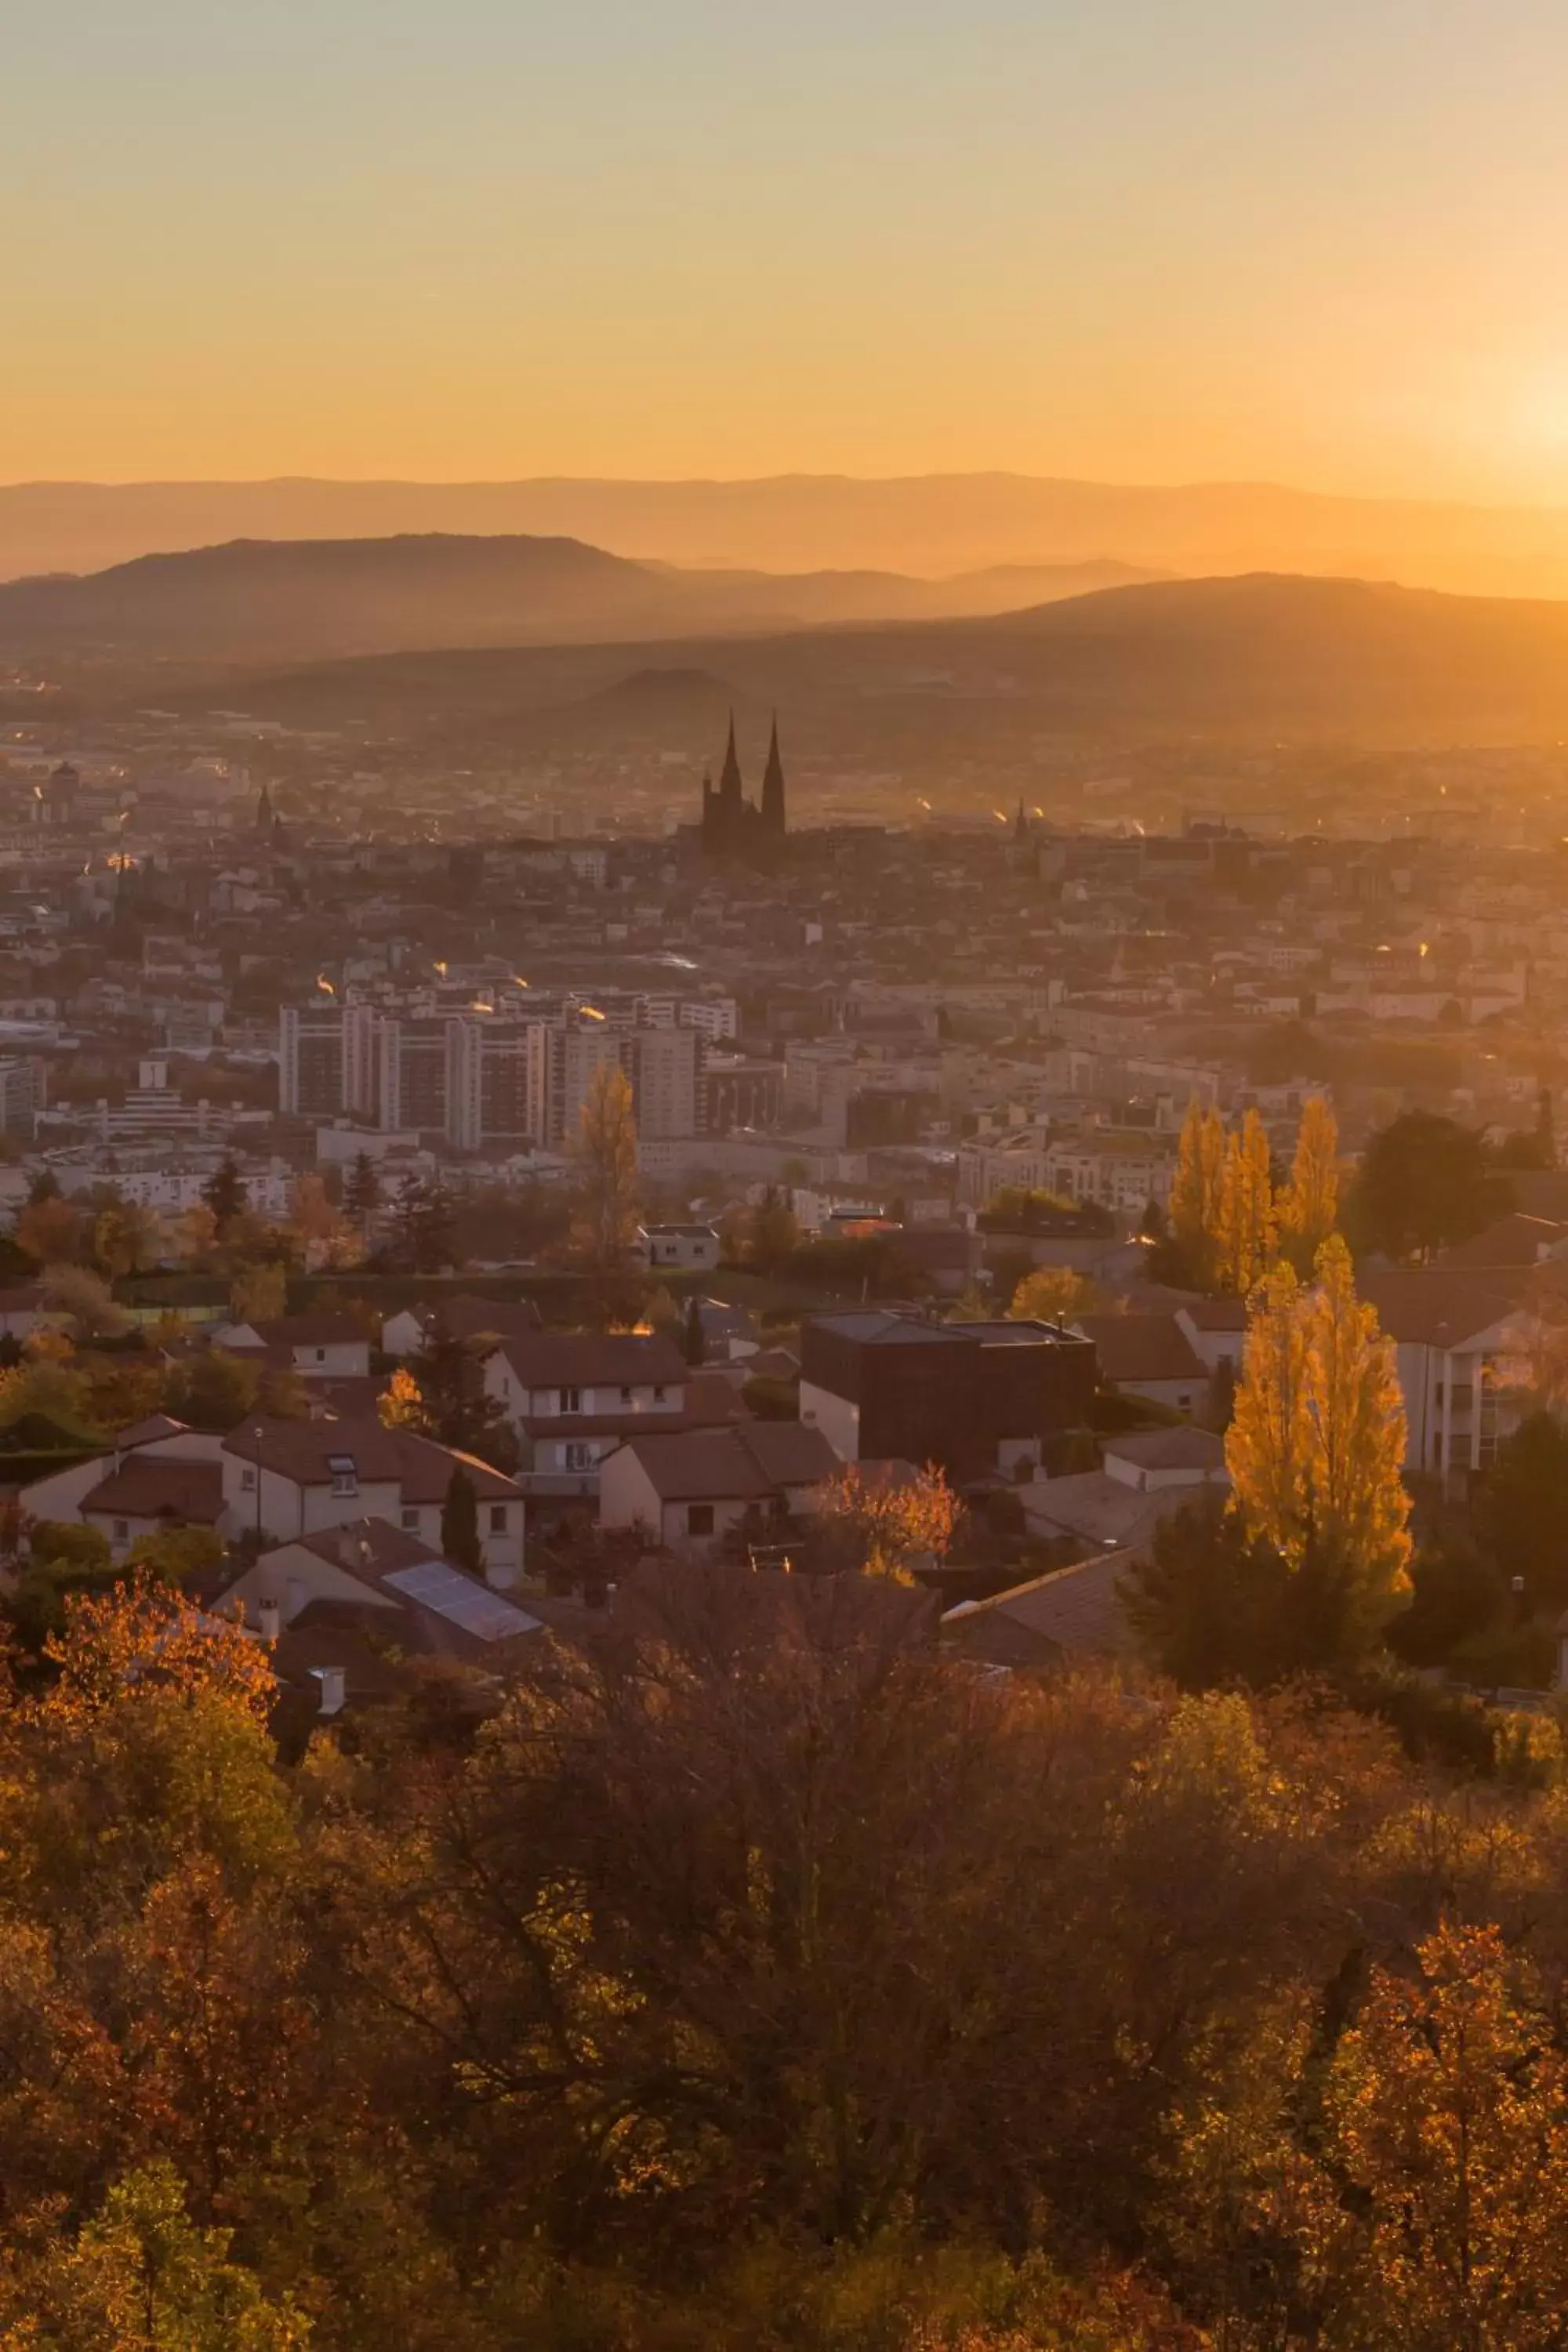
x: 270, y: 1620
x: 349, y: 1548
x: 331, y: 1684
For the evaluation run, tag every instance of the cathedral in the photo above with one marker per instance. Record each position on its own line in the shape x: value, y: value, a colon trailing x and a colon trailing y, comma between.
x: 732, y: 827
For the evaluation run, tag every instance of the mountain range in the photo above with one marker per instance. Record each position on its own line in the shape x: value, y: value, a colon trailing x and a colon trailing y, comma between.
x: 1263, y: 656
x: 929, y: 526
x: 266, y: 600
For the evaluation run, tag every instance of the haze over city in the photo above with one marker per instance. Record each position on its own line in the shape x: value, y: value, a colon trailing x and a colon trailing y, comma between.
x: 783, y: 1177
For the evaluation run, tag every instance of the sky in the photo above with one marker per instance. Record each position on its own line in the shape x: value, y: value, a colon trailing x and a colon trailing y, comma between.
x: 1318, y: 241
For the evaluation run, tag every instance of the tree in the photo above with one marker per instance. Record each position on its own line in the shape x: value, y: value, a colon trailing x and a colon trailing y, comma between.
x: 693, y: 1339
x: 1521, y: 1509
x: 1424, y: 1182
x: 1435, y: 2217
x: 258, y: 1292
x: 361, y: 1194
x: 878, y: 1524
x: 52, y: 1232
x: 1309, y: 1203
x: 608, y: 1167
x: 424, y: 1226
x: 212, y: 1390
x: 196, y: 1234
x: 1207, y: 1600
x: 127, y: 1239
x: 457, y: 1408
x: 226, y: 1194
x: 401, y: 1404
x: 176, y: 1554
x: 1054, y: 1294
x: 322, y: 1235
x: 86, y: 1301
x: 1244, y: 1235
x: 460, y: 1524
x: 1195, y: 1192
x: 773, y: 1231
x: 1315, y: 1446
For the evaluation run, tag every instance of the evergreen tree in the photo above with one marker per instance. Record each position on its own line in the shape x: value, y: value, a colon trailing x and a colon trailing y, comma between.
x: 426, y: 1226
x: 362, y: 1193
x: 1424, y: 1182
x: 693, y: 1340
x: 455, y: 1408
x: 226, y: 1193
x: 460, y: 1524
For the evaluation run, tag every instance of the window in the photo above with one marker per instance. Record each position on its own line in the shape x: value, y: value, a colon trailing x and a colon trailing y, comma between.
x: 247, y: 1480
x: 700, y: 1518
x: 345, y: 1477
x: 321, y: 1354
x: 658, y: 1396
x: 498, y: 1518
x: 571, y: 1401
x: 122, y: 1530
x: 580, y: 1457
x: 626, y: 1396
x: 409, y: 1521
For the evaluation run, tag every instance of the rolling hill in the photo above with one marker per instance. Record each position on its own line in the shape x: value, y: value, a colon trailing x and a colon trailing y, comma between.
x: 932, y: 526
x: 1339, y: 660
x: 266, y: 600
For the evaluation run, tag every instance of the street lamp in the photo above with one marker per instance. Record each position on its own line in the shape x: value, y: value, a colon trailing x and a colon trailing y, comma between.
x: 258, y: 1434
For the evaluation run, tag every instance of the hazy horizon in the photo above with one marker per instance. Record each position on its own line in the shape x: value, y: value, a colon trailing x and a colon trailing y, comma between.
x: 1152, y: 244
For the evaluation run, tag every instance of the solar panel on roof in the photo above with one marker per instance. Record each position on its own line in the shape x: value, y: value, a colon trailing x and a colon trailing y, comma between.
x: 461, y: 1601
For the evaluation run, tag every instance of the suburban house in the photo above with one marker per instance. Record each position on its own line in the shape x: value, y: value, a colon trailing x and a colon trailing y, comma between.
x: 1454, y: 1331
x: 1144, y: 1476
x: 678, y: 1249
x: 979, y: 1399
x: 689, y: 1492
x: 318, y: 1346
x: 409, y: 1332
x: 346, y: 1606
x: 1068, y: 1613
x: 573, y: 1397
x: 295, y: 1478
x: 160, y: 1474
x: 1148, y: 1355
x: 1216, y: 1329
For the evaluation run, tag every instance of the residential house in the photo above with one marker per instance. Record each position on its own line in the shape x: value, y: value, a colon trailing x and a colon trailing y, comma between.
x: 294, y: 1478
x: 1148, y: 1355
x: 409, y: 1332
x: 573, y: 1397
x: 694, y: 1491
x: 678, y: 1249
x: 317, y: 1347
x: 1145, y: 1476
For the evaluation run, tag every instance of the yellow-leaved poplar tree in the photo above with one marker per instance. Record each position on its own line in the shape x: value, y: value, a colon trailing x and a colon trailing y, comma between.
x: 1245, y: 1236
x: 1195, y: 1190
x: 1309, y: 1205
x: 1317, y: 1440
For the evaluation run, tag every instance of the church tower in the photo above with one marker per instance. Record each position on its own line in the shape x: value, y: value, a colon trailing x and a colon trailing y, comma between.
x: 772, y: 809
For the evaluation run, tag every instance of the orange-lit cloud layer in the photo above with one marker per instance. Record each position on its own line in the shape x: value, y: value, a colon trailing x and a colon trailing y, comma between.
x: 1319, y: 239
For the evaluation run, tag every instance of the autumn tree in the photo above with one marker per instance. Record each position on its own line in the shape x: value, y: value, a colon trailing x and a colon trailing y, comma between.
x: 1435, y: 2217
x: 880, y: 1523
x: 1316, y: 1444
x: 1308, y: 1204
x: 1245, y: 1234
x: 258, y: 1292
x: 1054, y: 1294
x: 127, y: 1239
x: 52, y: 1232
x: 1195, y: 1208
x: 608, y: 1167
x: 212, y: 1390
x: 773, y: 1231
x: 226, y: 1194
x: 86, y: 1302
x: 401, y: 1404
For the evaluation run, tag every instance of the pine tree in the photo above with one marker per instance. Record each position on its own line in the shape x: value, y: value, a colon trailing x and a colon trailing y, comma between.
x: 361, y: 1194
x: 1243, y: 1232
x: 226, y: 1193
x: 460, y: 1524
x: 1309, y: 1203
x: 694, y: 1342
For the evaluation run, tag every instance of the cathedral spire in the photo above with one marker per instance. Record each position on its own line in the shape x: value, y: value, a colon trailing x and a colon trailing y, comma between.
x: 772, y: 809
x: 730, y: 774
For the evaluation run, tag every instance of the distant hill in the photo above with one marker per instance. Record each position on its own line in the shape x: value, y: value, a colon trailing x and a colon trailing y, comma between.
x: 928, y: 526
x: 1341, y: 660
x: 265, y: 600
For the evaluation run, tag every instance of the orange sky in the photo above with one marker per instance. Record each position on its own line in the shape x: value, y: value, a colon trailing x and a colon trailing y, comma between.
x: 1145, y: 239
